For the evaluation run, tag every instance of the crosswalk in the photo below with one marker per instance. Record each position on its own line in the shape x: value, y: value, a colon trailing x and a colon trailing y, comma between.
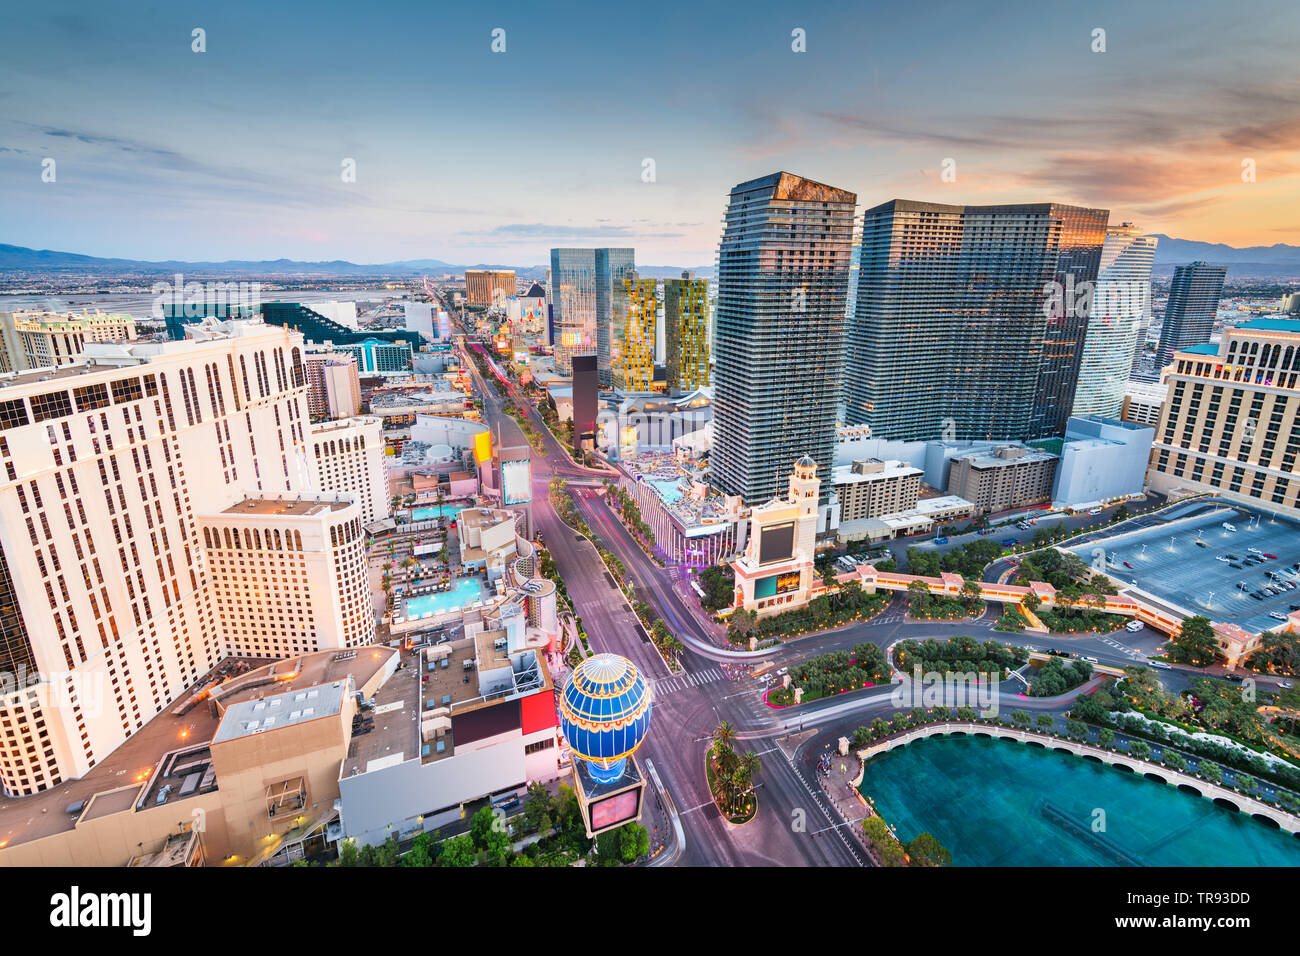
x: 669, y: 685
x: 1131, y: 652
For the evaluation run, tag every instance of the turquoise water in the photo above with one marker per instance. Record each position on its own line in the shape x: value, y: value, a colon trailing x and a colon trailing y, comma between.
x: 999, y: 803
x: 466, y: 591
x: 669, y: 489
x: 436, y: 511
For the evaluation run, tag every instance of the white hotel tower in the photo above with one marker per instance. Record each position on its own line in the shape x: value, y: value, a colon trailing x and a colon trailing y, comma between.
x: 157, y: 515
x: 1121, y: 302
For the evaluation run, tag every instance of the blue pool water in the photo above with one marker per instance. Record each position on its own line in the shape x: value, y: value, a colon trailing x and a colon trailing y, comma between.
x: 466, y: 591
x: 436, y: 511
x: 998, y: 803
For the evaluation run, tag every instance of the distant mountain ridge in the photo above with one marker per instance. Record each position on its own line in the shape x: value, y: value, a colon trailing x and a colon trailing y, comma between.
x: 1277, y: 259
x: 1171, y: 251
x: 21, y: 258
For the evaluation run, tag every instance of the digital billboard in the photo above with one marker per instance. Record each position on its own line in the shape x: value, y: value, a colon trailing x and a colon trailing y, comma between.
x: 611, y: 811
x: 516, y: 482
x: 776, y: 543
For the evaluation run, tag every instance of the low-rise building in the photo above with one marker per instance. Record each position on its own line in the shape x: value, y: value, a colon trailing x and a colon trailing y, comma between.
x: 870, y: 487
x: 1011, y: 476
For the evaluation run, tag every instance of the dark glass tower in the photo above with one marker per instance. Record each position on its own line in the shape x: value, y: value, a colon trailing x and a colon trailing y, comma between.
x: 1189, y: 314
x: 614, y: 267
x: 783, y: 268
x: 957, y: 332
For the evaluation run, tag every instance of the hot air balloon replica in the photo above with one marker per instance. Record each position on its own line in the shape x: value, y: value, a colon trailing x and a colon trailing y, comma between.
x: 604, y: 715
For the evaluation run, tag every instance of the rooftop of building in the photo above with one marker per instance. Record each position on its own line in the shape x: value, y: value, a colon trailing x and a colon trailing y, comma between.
x: 676, y: 486
x: 44, y: 317
x: 275, y: 711
x: 299, y: 506
x: 166, y: 748
x: 991, y: 458
x: 1272, y: 325
x: 1207, y: 348
x: 866, y: 469
x: 342, y: 424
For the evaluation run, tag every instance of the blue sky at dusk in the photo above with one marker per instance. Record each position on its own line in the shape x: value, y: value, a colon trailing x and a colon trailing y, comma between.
x: 470, y: 156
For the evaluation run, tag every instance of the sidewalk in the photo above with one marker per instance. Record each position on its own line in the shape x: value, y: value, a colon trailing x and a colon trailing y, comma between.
x: 837, y: 783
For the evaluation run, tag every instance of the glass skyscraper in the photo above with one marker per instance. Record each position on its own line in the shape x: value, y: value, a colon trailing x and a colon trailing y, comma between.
x: 614, y: 267
x: 686, y: 332
x: 1120, y: 303
x: 573, y: 305
x: 968, y: 322
x: 783, y: 267
x: 632, y: 344
x: 588, y: 298
x: 1189, y: 313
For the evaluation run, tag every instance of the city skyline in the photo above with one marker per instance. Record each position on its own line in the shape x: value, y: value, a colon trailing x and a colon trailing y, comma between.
x: 420, y: 102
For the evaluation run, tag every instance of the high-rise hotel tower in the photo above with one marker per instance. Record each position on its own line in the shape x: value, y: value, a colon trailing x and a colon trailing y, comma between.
x: 970, y: 320
x: 156, y: 516
x: 1120, y: 303
x: 783, y: 267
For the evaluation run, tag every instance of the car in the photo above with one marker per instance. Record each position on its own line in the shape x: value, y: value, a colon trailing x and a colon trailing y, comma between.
x: 1134, y: 626
x: 1091, y: 660
x: 940, y: 540
x: 1284, y: 684
x: 1234, y: 564
x: 1277, y: 615
x: 1009, y: 542
x: 1235, y: 678
x: 1162, y: 665
x: 781, y: 672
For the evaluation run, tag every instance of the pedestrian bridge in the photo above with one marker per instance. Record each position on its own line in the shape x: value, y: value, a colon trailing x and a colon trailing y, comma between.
x: 1219, y: 794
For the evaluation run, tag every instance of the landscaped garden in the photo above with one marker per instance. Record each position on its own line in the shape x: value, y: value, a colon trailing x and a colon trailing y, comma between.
x: 834, y: 673
x: 960, y: 655
x: 847, y: 605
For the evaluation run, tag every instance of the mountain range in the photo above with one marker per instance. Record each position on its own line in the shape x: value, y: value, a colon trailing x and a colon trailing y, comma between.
x: 23, y: 259
x: 1278, y: 259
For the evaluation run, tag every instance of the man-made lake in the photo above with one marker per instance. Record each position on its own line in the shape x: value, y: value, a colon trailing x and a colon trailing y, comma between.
x: 999, y: 803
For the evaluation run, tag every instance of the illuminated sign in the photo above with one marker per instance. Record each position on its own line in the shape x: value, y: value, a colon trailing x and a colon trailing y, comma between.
x: 787, y: 582
x: 516, y: 482
x: 482, y: 447
x: 612, y: 811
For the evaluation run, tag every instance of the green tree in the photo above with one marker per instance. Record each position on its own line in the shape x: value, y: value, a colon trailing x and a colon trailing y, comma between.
x: 1020, y: 717
x: 1045, y: 720
x: 634, y: 842
x: 349, y: 855
x: 925, y: 850
x: 419, y: 855
x: 1195, y: 643
x: 458, y: 851
x: 1105, y: 736
x: 882, y: 841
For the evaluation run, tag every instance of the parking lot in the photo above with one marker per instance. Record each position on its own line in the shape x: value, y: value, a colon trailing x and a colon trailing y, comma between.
x: 1194, y: 561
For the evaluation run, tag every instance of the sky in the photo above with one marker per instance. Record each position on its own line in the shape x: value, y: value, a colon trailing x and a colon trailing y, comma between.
x: 469, y: 155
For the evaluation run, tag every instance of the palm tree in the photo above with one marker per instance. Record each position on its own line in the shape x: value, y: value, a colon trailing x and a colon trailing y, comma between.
x: 724, y: 736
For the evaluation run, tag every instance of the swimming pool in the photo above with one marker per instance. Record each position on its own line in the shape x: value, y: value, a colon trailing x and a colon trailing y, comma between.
x: 436, y: 511
x: 466, y: 591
